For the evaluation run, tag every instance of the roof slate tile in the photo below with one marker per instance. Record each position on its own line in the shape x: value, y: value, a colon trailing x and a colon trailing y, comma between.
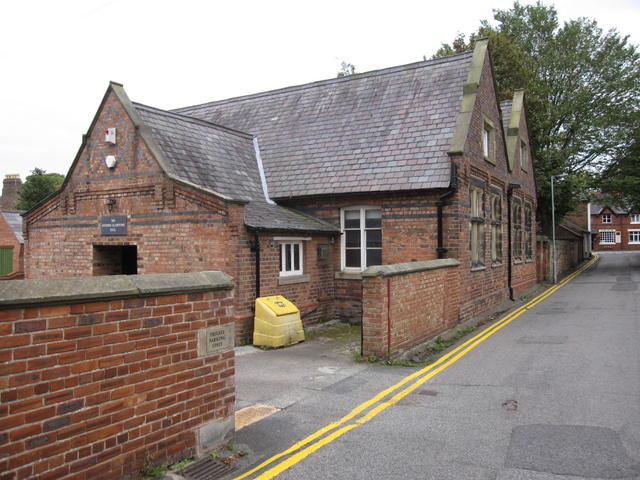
x: 309, y: 131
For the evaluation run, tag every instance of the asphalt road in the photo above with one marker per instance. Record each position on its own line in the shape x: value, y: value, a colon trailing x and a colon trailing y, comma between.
x: 550, y: 391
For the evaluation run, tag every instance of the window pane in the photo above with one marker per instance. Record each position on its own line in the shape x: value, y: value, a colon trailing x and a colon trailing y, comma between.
x: 374, y: 238
x: 296, y: 256
x: 486, y: 138
x: 352, y: 238
x: 352, y: 258
x: 373, y: 219
x: 374, y: 257
x: 352, y: 219
x: 287, y: 257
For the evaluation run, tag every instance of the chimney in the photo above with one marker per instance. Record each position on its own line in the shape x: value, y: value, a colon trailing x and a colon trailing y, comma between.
x: 10, y: 191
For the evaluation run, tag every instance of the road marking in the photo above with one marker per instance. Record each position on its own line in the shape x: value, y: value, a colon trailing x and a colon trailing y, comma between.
x: 317, y: 440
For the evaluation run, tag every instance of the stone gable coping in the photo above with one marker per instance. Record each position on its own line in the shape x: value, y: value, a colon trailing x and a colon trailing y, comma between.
x: 513, y: 130
x: 467, y: 105
x: 42, y: 292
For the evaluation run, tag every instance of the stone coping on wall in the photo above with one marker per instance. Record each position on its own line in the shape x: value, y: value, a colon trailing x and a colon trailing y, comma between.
x: 56, y: 291
x: 409, y: 267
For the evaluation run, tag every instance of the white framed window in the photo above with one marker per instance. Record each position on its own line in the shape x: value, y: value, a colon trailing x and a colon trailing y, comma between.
x: 362, y: 237
x: 606, y: 218
x: 607, y: 237
x: 635, y: 218
x: 634, y: 236
x: 291, y: 258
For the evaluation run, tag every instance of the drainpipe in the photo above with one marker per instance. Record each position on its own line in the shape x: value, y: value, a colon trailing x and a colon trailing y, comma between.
x: 388, y: 319
x: 255, y: 248
x: 441, y: 203
x: 512, y: 186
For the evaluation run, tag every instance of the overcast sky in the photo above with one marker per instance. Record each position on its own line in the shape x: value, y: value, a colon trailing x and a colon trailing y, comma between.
x: 57, y: 57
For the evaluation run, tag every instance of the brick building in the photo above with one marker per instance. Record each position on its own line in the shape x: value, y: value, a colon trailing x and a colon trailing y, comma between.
x: 11, y: 246
x: 614, y: 228
x: 298, y: 191
x: 11, y: 239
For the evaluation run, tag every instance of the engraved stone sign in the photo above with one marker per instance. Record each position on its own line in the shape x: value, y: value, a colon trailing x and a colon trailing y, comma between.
x: 215, y: 339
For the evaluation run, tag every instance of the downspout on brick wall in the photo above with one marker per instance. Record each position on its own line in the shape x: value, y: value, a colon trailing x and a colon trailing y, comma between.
x: 255, y: 248
x: 389, y: 318
x: 440, y: 203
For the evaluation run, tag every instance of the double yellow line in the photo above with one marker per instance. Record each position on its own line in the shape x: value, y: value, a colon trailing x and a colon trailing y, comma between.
x: 369, y: 409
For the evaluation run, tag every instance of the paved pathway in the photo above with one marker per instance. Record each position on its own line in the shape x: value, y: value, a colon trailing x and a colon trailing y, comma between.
x: 550, y: 391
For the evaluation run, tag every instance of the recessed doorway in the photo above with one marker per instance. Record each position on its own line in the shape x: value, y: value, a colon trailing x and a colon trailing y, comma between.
x: 115, y: 260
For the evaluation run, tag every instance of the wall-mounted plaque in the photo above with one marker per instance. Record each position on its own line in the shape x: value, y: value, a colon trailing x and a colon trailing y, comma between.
x: 215, y: 339
x: 113, y: 225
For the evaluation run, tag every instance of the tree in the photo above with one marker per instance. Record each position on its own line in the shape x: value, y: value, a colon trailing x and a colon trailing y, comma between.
x: 346, y: 69
x: 619, y: 183
x: 582, y: 86
x: 38, y: 186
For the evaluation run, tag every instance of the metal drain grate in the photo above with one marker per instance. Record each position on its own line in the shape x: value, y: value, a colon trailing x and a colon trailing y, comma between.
x: 207, y: 469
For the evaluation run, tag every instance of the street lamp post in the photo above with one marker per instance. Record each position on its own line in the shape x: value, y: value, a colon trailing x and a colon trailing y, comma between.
x: 553, y: 226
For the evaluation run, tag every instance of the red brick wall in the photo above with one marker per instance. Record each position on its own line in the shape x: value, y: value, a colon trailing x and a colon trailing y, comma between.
x: 409, y: 233
x: 89, y: 389
x: 484, y: 288
x: 312, y: 293
x: 406, y: 305
x: 174, y: 227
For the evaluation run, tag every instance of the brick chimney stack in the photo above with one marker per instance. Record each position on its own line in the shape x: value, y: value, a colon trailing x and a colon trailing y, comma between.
x: 10, y: 191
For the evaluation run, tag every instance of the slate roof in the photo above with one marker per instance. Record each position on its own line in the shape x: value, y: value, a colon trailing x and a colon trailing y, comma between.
x: 14, y: 220
x: 210, y: 156
x: 223, y: 161
x: 596, y: 209
x: 267, y: 216
x: 386, y: 130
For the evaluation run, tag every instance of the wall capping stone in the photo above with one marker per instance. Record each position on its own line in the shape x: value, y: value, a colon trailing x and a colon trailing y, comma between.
x: 410, y: 267
x: 56, y: 291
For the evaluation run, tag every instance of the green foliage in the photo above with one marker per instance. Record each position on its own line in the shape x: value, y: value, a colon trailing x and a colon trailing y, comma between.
x: 149, y: 471
x: 346, y: 69
x: 619, y: 184
x: 583, y: 93
x: 38, y: 186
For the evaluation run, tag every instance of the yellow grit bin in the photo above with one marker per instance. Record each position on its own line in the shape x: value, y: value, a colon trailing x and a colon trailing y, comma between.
x: 277, y: 322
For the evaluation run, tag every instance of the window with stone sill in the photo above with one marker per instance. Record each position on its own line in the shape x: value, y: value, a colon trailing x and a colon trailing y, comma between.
x: 496, y: 226
x: 607, y: 237
x: 635, y: 218
x: 477, y: 242
x: 606, y: 218
x: 524, y: 156
x: 291, y: 258
x: 362, y: 238
x: 518, y: 233
x: 488, y: 141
